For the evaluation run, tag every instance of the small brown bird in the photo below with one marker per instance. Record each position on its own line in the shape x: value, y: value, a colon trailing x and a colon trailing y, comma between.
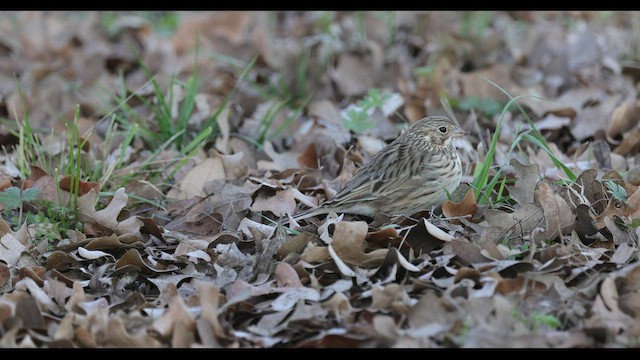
x: 406, y: 176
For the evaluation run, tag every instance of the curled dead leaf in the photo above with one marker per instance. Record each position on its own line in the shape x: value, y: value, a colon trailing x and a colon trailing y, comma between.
x: 348, y: 242
x: 524, y: 188
x: 108, y: 217
x: 177, y: 313
x: 558, y: 216
x: 437, y: 232
x: 282, y: 203
x: 624, y: 117
x: 466, y: 207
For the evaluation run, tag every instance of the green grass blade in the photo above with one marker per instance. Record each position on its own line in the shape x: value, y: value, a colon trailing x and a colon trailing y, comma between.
x: 572, y: 177
x: 540, y: 140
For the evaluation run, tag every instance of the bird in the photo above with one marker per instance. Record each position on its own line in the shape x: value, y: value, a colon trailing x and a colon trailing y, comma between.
x: 411, y: 174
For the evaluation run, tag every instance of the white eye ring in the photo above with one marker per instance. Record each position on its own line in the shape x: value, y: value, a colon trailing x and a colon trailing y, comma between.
x: 442, y: 129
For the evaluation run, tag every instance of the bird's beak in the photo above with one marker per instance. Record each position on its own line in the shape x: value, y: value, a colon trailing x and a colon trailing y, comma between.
x: 457, y: 132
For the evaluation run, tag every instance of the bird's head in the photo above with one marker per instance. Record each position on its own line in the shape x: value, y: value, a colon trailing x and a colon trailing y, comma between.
x: 436, y: 130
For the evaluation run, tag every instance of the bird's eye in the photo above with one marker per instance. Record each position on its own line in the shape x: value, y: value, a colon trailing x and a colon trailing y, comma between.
x: 442, y: 129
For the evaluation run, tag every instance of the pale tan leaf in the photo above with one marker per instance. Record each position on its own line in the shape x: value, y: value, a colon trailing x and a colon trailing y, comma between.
x: 10, y: 249
x: 280, y: 204
x: 348, y: 242
x: 192, y: 185
x: 558, y: 216
x: 108, y: 217
x: 177, y: 313
x: 524, y: 189
x: 437, y: 232
x: 92, y: 254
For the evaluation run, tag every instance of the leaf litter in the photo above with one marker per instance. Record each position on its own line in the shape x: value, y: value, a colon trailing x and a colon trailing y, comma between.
x: 300, y: 100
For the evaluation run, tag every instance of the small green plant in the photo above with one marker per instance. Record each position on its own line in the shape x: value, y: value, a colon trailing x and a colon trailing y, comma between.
x: 424, y: 70
x: 162, y: 22
x: 170, y: 124
x: 635, y: 223
x: 48, y: 223
x: 482, y: 184
x: 617, y: 191
x: 475, y: 23
x: 357, y: 117
x: 533, y: 135
x: 13, y: 199
x: 52, y: 223
x: 537, y: 319
x: 357, y: 120
x: 463, y: 333
x: 489, y: 107
x: 171, y: 127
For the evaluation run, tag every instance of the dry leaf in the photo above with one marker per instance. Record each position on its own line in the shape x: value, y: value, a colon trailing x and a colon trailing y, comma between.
x: 558, y: 216
x: 192, y: 185
x: 348, y: 242
x: 353, y: 75
x: 467, y: 206
x: 177, y: 313
x: 108, y: 217
x: 527, y: 175
x: 624, y: 117
x: 10, y: 249
x: 280, y: 204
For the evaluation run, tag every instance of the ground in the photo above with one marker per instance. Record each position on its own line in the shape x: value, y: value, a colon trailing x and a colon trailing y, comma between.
x: 150, y: 159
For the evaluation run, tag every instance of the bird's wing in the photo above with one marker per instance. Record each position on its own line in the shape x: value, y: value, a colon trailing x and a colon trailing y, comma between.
x: 392, y: 169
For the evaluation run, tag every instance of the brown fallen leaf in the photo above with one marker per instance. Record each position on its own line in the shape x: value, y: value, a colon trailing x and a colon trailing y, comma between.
x: 466, y: 251
x: 315, y: 254
x: 209, y: 300
x: 420, y: 240
x: 523, y: 220
x: 111, y: 242
x: 10, y: 249
x: 286, y: 276
x: 348, y: 242
x: 235, y: 165
x: 589, y: 187
x: 27, y: 310
x: 584, y: 225
x: 108, y: 217
x: 473, y: 84
x: 282, y: 203
x: 177, y: 313
x: 353, y: 75
x: 309, y: 157
x: 466, y: 207
x: 390, y: 296
x: 280, y: 161
x: 524, y: 188
x: 429, y: 316
x: 558, y: 216
x: 293, y: 244
x: 39, y: 179
x: 193, y: 183
x: 383, y: 238
x: 624, y: 117
x: 630, y: 143
x: 83, y: 186
x: 339, y: 305
x: 589, y: 119
x: 606, y: 312
x: 628, y: 280
x: 132, y: 259
x: 230, y: 26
